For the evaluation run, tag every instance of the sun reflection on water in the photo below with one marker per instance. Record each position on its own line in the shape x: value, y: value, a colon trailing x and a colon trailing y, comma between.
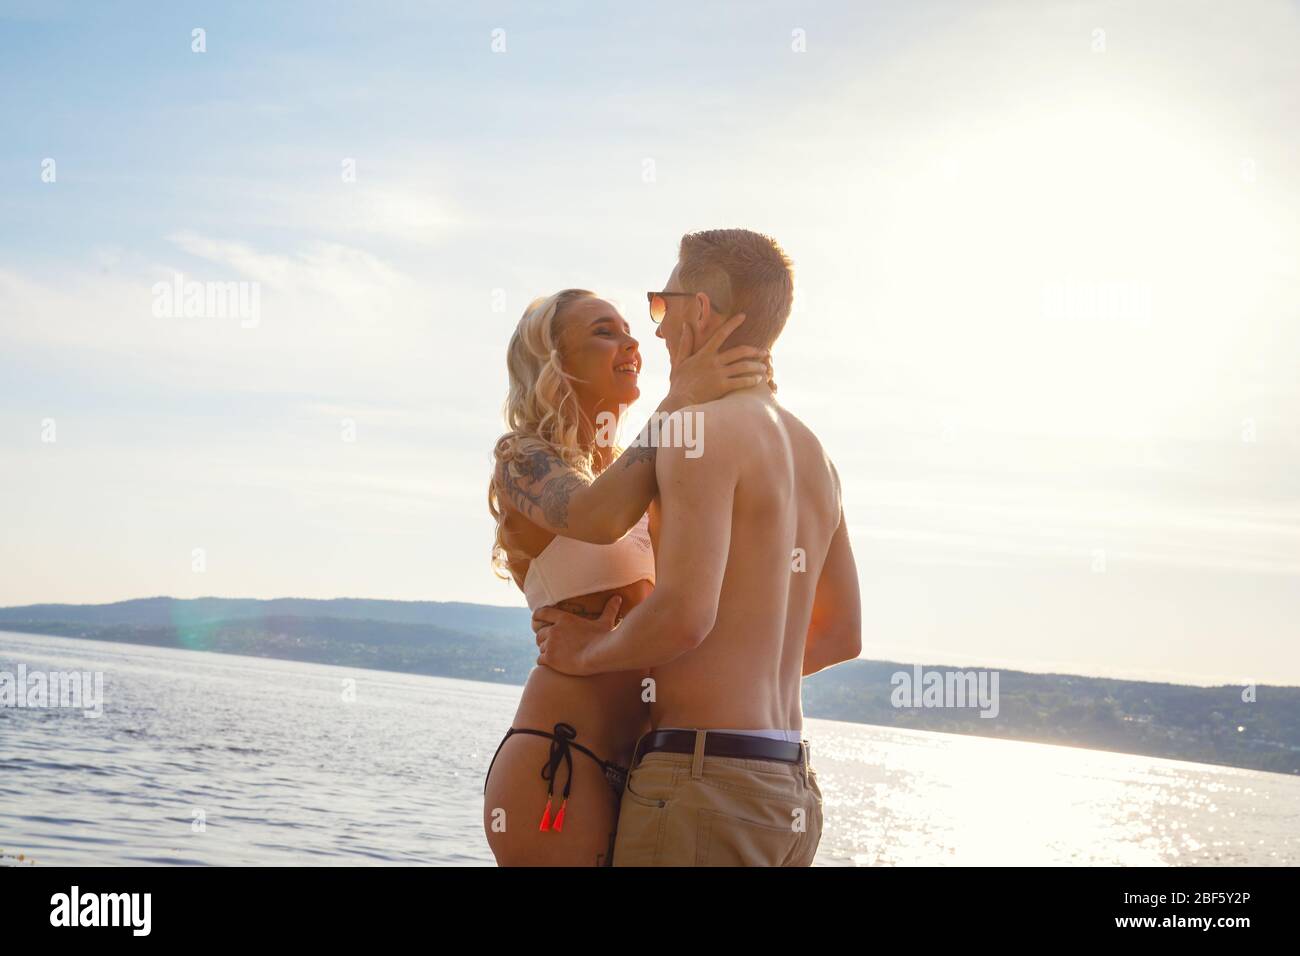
x: 897, y: 797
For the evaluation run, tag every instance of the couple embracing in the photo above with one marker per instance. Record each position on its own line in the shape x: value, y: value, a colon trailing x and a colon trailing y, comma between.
x: 680, y: 589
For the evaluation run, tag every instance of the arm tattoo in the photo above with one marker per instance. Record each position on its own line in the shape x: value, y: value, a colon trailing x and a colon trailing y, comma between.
x: 524, y: 479
x: 636, y: 454
x: 574, y: 607
x: 554, y: 498
x: 641, y: 451
x: 551, y: 497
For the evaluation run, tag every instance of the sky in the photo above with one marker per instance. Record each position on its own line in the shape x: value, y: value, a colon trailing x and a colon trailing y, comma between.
x: 1045, y: 322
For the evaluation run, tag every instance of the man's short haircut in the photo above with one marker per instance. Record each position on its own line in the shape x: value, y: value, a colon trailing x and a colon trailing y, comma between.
x: 740, y: 271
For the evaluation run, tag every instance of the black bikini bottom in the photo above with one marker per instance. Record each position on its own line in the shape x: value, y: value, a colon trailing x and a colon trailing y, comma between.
x: 562, y: 744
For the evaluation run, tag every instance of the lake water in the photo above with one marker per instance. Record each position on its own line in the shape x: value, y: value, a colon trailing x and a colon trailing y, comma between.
x: 284, y: 770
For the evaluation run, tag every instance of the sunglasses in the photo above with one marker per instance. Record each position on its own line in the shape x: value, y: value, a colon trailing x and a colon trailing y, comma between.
x: 659, y: 305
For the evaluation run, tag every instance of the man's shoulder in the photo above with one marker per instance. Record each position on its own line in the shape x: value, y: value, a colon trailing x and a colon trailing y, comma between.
x: 703, y: 439
x: 737, y: 409
x: 748, y: 419
x: 724, y: 426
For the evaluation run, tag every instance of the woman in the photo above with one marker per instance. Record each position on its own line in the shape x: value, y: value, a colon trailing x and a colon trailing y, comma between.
x: 573, y: 531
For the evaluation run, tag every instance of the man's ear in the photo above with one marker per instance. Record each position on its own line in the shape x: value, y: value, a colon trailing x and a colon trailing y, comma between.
x: 710, y: 316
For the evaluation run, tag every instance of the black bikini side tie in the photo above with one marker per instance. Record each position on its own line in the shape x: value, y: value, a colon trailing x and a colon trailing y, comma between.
x: 564, y: 734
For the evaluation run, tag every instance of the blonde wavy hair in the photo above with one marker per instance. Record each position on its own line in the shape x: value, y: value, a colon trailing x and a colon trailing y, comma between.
x: 541, y: 409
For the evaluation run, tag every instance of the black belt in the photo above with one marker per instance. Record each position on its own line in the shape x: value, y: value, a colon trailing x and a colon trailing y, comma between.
x: 719, y: 744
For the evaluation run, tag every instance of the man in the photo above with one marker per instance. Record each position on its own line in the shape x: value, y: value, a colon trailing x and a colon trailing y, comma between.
x: 756, y: 587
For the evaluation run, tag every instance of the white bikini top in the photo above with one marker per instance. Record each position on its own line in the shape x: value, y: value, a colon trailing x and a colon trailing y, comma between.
x: 568, y: 567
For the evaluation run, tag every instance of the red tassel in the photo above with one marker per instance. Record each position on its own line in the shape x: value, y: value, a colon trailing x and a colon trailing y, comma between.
x: 546, y: 816
x: 559, y: 817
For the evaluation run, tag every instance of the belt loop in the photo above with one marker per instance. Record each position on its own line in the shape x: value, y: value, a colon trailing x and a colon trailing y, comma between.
x: 636, y: 752
x: 697, y: 762
x: 803, y: 760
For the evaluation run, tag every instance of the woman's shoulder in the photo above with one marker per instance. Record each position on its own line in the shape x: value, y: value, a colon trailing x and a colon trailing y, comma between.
x: 524, y: 456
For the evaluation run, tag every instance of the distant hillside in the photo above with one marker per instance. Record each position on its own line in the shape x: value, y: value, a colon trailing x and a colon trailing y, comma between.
x: 1202, y: 724
x: 173, y: 612
x: 478, y: 642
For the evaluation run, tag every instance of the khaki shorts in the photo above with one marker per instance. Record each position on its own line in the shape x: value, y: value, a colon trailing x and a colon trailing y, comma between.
x: 693, y: 810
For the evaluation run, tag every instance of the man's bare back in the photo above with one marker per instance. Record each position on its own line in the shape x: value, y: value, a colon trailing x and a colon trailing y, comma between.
x: 786, y: 508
